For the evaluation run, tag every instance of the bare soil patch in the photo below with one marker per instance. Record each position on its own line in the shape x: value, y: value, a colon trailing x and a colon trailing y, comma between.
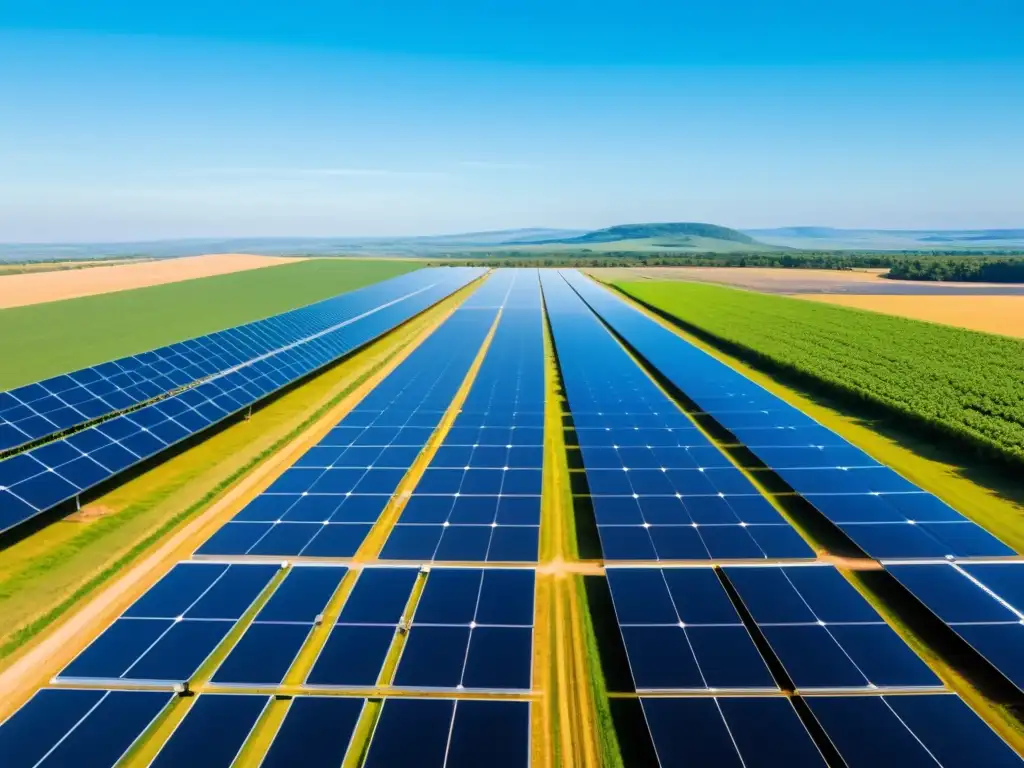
x: 991, y: 314
x: 38, y: 287
x: 90, y: 512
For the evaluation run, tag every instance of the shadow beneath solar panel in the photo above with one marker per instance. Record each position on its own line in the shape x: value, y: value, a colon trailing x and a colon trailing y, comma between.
x: 942, y: 640
x: 628, y: 718
x: 978, y: 464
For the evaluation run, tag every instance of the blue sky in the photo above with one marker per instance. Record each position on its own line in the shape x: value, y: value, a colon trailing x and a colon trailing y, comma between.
x: 127, y: 121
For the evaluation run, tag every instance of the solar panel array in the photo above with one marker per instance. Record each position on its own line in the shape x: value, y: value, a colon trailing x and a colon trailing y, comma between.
x: 691, y: 633
x: 660, y: 489
x: 886, y: 515
x: 326, y: 504
x: 37, y: 480
x: 892, y: 731
x: 982, y: 602
x: 432, y: 643
x: 479, y: 498
x: 47, y: 407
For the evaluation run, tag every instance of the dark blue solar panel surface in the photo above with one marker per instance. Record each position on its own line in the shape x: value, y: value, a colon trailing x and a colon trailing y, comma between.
x: 212, y: 733
x: 982, y: 602
x: 900, y: 731
x: 39, y: 479
x: 61, y: 727
x: 883, y: 513
x: 264, y: 654
x: 328, y: 501
x: 681, y: 631
x: 734, y: 732
x: 825, y: 634
x: 661, y: 490
x: 479, y: 499
x: 473, y: 629
x: 169, y: 632
x: 440, y: 733
x: 315, y: 733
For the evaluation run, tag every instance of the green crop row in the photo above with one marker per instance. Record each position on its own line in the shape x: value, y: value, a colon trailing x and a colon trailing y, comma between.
x: 963, y: 384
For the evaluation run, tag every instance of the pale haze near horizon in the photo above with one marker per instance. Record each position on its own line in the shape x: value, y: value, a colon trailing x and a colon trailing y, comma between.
x: 138, y: 127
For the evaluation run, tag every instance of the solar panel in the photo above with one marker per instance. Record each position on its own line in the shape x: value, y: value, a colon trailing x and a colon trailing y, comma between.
x: 886, y: 515
x: 44, y: 408
x: 479, y: 499
x: 316, y: 733
x: 897, y: 731
x: 269, y: 646
x: 472, y: 629
x: 682, y: 633
x: 41, y: 478
x: 745, y: 732
x: 90, y: 728
x: 171, y: 630
x: 445, y: 733
x: 326, y: 504
x: 660, y: 489
x: 983, y: 603
x: 213, y: 732
x: 825, y: 634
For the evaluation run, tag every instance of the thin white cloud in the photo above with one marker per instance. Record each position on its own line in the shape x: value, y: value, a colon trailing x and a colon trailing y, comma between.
x: 341, y: 172
x: 497, y: 165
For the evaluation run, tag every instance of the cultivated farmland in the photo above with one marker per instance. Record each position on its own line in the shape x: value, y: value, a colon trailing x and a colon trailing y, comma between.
x: 968, y: 385
x: 46, y: 339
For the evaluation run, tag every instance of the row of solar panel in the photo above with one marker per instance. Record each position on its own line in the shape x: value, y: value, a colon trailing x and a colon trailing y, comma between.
x: 96, y: 728
x: 865, y: 731
x: 35, y: 411
x: 469, y: 629
x: 867, y: 501
x: 37, y: 480
x: 475, y: 502
x: 982, y: 602
x: 660, y: 490
x: 682, y: 632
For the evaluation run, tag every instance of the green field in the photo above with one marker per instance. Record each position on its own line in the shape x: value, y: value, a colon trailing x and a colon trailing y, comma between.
x: 43, y: 340
x: 963, y: 384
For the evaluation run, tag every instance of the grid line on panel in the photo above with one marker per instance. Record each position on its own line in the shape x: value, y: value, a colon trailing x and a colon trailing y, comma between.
x: 41, y: 478
x: 478, y: 499
x: 660, y: 489
x: 823, y: 632
x: 881, y: 512
x: 981, y: 602
x: 329, y: 501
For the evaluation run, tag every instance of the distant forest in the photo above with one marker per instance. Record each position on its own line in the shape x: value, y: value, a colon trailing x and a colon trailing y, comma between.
x: 902, y: 266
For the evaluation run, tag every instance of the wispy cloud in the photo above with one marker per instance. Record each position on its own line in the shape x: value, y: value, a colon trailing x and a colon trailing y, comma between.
x: 497, y: 165
x: 292, y: 172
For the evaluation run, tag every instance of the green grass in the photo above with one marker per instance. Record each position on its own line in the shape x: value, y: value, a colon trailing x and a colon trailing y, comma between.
x: 43, y: 340
x: 963, y: 385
